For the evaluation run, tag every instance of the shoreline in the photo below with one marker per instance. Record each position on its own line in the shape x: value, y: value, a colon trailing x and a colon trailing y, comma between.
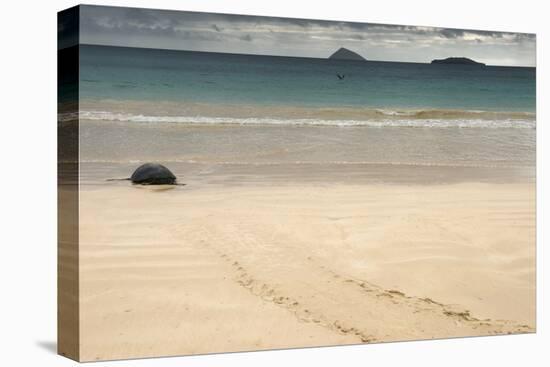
x: 198, y: 175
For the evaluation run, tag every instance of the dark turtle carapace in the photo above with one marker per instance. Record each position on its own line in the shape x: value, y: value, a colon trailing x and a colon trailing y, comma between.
x: 153, y: 174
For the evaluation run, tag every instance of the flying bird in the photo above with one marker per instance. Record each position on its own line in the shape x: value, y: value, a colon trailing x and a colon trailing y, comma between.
x: 341, y: 76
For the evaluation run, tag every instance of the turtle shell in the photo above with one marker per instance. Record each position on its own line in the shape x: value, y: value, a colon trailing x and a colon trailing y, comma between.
x: 153, y: 174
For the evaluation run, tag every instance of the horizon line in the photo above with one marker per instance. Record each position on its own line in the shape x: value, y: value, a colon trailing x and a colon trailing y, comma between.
x: 295, y: 57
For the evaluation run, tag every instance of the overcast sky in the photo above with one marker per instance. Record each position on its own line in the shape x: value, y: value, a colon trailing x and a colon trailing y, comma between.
x: 297, y: 37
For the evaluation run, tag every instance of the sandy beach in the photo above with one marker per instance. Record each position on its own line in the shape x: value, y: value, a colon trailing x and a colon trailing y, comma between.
x: 330, y: 183
x: 195, y: 270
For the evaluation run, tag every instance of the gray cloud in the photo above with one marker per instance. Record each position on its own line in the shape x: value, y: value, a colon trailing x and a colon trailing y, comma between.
x: 297, y: 37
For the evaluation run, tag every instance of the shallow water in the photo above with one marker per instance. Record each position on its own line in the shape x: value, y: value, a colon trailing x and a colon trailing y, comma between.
x: 256, y: 154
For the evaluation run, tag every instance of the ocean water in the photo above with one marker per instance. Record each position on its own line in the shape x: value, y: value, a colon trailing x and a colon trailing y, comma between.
x: 145, y: 74
x: 210, y: 113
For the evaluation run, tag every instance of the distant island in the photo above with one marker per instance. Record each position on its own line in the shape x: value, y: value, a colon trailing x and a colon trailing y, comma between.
x: 345, y: 54
x: 457, y: 61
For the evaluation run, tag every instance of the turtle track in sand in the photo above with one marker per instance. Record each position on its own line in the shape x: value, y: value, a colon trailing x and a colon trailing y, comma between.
x: 337, y: 301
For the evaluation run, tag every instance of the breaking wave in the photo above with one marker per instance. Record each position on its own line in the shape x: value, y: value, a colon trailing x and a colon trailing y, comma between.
x: 331, y: 117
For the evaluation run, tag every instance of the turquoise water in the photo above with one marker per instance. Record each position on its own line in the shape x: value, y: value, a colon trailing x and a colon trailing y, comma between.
x: 179, y: 76
x: 259, y: 117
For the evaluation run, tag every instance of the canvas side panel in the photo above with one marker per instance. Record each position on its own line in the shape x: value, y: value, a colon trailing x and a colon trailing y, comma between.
x: 67, y: 185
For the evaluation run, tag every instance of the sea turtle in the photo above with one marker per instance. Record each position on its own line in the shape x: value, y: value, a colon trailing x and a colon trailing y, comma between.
x: 153, y: 174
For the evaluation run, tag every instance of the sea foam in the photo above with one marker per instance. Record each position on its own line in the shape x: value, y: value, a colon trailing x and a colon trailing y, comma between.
x: 379, y: 118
